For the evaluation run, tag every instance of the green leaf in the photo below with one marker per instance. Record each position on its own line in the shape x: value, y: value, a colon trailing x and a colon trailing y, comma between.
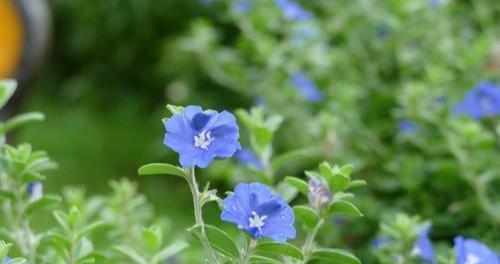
x: 6, y: 195
x: 174, y: 109
x: 255, y: 259
x: 42, y: 203
x: 346, y: 169
x: 131, y: 253
x: 284, y: 249
x: 90, y: 228
x: 219, y: 240
x: 286, y: 191
x: 152, y: 237
x: 161, y: 168
x: 326, y: 170
x: 357, y: 183
x: 344, y: 208
x: 59, y: 240
x: 291, y: 156
x: 62, y: 219
x: 306, y: 215
x: 299, y: 184
x: 169, y: 251
x: 339, y: 182
x: 335, y: 256
x: 22, y: 119
x: 4, y: 249
x: 7, y: 89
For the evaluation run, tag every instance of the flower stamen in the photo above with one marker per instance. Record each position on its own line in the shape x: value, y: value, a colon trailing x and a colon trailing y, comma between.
x: 203, y: 139
x: 257, y: 221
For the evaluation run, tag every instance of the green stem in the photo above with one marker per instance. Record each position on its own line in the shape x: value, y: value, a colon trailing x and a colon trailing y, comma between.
x: 308, y: 244
x: 251, y: 243
x: 27, y: 242
x: 212, y: 257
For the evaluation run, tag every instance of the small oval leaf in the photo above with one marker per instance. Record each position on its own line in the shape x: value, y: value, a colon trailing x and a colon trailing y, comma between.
x: 344, y: 208
x: 218, y: 239
x: 161, y: 168
x: 299, y: 184
x: 306, y: 215
x: 44, y: 202
x: 284, y: 249
x: 335, y: 256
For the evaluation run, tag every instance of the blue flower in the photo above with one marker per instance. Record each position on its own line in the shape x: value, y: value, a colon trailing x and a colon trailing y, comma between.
x: 242, y: 6
x: 380, y: 241
x: 6, y: 259
x: 470, y: 251
x: 306, y: 87
x: 247, y: 157
x: 481, y: 102
x: 35, y: 191
x: 200, y: 136
x: 293, y: 11
x: 423, y: 247
x: 435, y: 3
x: 260, y: 212
x: 407, y: 126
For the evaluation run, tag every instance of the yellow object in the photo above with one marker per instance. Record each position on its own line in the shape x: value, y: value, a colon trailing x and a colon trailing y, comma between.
x: 11, y: 38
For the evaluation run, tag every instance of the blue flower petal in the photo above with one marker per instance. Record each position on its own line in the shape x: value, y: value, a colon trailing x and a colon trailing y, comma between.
x: 480, y: 102
x: 473, y: 251
x: 423, y: 247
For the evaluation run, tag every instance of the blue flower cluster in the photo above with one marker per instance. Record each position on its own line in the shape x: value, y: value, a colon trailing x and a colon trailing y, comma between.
x: 6, y: 259
x: 200, y: 136
x: 482, y: 101
x: 256, y: 209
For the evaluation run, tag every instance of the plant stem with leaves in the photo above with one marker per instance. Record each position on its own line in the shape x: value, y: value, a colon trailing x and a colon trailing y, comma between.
x: 198, y: 215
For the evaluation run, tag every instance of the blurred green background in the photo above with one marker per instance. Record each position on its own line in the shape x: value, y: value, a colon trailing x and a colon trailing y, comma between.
x: 113, y: 66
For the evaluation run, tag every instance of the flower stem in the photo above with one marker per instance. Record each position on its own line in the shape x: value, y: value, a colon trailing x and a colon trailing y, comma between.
x: 310, y: 240
x: 251, y: 243
x: 212, y: 258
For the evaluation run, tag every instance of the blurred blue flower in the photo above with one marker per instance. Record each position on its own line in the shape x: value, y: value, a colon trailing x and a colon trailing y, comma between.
x: 6, y: 259
x: 242, y: 6
x: 423, y: 247
x: 293, y: 11
x: 306, y: 87
x: 35, y: 191
x: 470, y: 251
x: 435, y: 3
x: 247, y: 157
x: 200, y: 136
x: 260, y: 212
x: 380, y: 241
x: 482, y: 101
x: 408, y: 126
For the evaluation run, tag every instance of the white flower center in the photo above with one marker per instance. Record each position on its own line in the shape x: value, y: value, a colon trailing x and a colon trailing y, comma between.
x: 416, y: 251
x: 257, y: 221
x: 472, y: 259
x: 203, y: 139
